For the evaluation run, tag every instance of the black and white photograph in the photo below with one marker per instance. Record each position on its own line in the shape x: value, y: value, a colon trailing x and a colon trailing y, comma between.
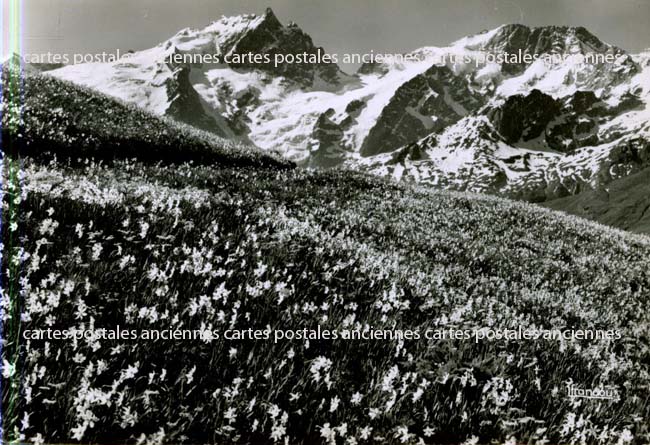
x: 340, y: 222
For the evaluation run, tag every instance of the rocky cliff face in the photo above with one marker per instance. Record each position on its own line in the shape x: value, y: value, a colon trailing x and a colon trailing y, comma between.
x: 185, y: 104
x: 427, y: 103
x: 563, y: 125
x: 520, y: 39
x: 524, y: 117
x: 269, y: 37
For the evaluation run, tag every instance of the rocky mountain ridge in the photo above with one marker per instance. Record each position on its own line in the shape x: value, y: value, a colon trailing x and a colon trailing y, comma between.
x: 534, y: 130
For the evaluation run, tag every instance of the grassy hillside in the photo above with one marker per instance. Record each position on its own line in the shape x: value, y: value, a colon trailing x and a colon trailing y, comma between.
x: 187, y: 247
x: 176, y: 245
x: 58, y: 118
x: 624, y: 204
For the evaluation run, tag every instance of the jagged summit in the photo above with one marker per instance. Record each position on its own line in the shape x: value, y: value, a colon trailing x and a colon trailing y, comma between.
x: 270, y: 15
x: 543, y: 40
x: 257, y: 34
x: 536, y: 40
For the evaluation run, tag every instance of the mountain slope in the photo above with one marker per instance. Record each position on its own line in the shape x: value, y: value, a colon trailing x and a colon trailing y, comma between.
x: 62, y: 119
x: 624, y: 203
x: 560, y: 121
x: 548, y: 130
x: 154, y: 80
x: 533, y: 147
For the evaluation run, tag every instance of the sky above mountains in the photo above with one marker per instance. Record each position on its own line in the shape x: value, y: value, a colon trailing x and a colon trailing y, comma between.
x: 340, y: 26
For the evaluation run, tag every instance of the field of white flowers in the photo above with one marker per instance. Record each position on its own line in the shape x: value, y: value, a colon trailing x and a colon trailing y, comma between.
x: 189, y: 247
x: 96, y: 244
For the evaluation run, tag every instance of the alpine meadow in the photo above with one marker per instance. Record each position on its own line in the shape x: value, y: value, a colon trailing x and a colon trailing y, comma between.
x: 149, y: 195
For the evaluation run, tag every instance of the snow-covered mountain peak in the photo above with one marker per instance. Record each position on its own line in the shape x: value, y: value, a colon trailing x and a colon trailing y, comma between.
x: 255, y: 42
x: 452, y: 116
x: 536, y: 40
x: 244, y: 72
x: 477, y: 41
x: 228, y: 31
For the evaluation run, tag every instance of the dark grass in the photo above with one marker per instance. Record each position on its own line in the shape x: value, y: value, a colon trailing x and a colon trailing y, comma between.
x: 443, y: 251
x: 47, y: 118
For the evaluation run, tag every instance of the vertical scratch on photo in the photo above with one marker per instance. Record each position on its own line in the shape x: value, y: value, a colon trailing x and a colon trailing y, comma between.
x: 9, y: 141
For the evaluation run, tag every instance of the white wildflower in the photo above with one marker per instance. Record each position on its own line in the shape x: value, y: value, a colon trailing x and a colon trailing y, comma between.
x: 334, y: 404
